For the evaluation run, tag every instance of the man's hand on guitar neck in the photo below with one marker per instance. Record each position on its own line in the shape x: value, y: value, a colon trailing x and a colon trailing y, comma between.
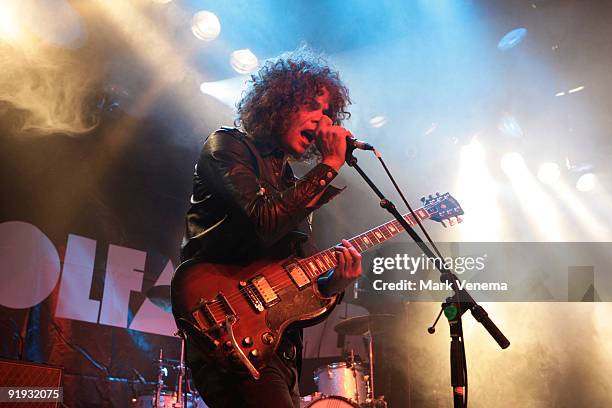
x: 347, y: 271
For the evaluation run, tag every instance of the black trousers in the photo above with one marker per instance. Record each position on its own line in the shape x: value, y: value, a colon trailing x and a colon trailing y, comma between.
x: 276, y: 388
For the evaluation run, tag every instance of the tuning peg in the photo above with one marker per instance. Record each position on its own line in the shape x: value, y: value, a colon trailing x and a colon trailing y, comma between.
x: 437, y: 194
x: 423, y: 199
x: 431, y: 197
x: 451, y: 222
x: 443, y: 223
x: 459, y: 220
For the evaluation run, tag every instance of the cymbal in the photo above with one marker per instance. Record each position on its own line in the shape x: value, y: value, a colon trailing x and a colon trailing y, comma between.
x: 362, y: 324
x: 160, y: 297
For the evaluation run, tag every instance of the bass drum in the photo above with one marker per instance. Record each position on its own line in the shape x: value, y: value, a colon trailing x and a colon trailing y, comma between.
x: 343, y: 380
x: 332, y: 401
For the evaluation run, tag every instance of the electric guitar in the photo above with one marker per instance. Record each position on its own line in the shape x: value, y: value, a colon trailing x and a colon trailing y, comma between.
x: 236, y: 314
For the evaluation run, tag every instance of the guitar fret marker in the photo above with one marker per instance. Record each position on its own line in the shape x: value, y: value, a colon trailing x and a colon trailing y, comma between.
x: 356, y: 244
x: 330, y: 264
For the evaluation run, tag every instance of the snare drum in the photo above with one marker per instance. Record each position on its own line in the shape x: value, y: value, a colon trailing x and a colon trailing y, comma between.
x: 344, y: 380
x: 332, y: 402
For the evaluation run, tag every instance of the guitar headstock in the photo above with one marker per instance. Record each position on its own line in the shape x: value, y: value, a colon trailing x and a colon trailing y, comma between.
x: 442, y: 207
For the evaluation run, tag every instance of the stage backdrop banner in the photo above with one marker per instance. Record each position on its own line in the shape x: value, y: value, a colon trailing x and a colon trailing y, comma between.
x: 88, y: 224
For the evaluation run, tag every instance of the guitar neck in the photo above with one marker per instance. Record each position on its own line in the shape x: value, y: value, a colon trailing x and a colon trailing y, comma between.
x: 323, y: 261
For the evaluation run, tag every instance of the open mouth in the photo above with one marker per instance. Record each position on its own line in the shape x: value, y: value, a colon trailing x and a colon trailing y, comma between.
x: 308, y: 134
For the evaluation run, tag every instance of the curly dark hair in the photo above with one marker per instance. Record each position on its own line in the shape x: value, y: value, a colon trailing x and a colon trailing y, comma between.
x: 282, y: 85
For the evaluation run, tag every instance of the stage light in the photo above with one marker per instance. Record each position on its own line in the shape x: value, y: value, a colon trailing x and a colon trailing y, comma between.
x: 510, y: 127
x: 571, y: 91
x: 578, y: 89
x: 586, y: 182
x: 473, y: 152
x: 512, y: 162
x: 205, y: 25
x: 431, y: 129
x: 512, y: 39
x: 478, y: 192
x: 549, y: 173
x: 378, y: 121
x: 9, y: 17
x: 244, y: 61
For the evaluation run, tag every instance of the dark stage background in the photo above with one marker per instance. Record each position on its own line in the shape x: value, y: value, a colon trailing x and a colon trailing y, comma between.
x: 104, y: 105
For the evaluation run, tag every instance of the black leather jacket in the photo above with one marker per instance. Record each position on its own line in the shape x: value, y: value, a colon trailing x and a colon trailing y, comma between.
x: 247, y: 203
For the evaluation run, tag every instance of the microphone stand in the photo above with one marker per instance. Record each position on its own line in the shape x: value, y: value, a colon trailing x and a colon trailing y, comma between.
x: 454, y: 307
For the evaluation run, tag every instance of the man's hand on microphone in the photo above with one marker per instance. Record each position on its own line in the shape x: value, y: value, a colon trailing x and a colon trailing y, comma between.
x: 331, y: 142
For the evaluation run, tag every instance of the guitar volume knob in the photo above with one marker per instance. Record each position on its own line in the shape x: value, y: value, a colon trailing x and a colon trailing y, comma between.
x: 267, y: 338
x: 247, y: 341
x: 254, y: 353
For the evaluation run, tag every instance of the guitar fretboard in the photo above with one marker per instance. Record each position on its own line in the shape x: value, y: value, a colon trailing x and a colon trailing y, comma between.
x: 323, y: 261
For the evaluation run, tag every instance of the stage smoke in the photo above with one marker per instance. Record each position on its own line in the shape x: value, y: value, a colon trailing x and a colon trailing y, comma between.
x: 50, y: 86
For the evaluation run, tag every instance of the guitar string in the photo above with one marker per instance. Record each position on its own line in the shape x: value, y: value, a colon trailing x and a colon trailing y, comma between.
x: 286, y: 281
x: 281, y: 280
x: 282, y: 273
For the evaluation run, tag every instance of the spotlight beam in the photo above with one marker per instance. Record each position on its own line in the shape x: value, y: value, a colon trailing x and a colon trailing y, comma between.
x: 539, y: 209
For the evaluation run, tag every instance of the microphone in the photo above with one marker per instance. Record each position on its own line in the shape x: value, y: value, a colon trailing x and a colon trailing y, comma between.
x: 357, y: 144
x: 351, y: 142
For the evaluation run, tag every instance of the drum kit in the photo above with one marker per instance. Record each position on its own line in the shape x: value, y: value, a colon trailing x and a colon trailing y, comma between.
x: 345, y: 384
x: 349, y: 383
x: 184, y: 395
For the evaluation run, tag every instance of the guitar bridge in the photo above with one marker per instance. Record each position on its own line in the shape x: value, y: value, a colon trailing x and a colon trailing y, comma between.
x: 212, y: 314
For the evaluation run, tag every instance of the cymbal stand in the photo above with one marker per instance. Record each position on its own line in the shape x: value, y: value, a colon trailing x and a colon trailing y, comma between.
x: 180, y: 397
x: 371, y: 355
x: 160, y: 379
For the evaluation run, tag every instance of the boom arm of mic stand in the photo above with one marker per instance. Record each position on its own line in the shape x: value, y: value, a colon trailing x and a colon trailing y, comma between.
x: 463, y: 296
x: 384, y: 203
x: 464, y: 300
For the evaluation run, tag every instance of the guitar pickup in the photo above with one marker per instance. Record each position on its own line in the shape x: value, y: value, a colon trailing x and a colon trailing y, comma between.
x: 265, y: 291
x: 297, y: 274
x: 252, y: 296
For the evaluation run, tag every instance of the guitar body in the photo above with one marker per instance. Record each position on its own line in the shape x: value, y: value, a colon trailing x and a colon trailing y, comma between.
x: 237, y: 314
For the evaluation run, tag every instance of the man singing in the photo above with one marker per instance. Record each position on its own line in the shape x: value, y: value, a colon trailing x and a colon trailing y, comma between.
x: 247, y: 205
